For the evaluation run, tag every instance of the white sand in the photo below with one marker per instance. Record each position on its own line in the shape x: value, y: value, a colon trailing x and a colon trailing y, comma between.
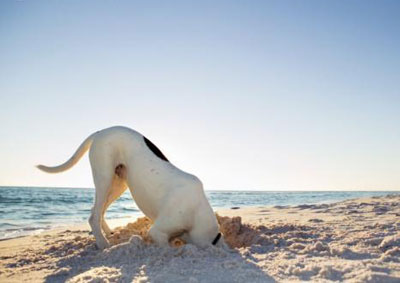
x: 352, y: 241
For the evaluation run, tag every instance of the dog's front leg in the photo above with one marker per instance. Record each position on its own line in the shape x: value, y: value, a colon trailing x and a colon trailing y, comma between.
x: 159, y: 237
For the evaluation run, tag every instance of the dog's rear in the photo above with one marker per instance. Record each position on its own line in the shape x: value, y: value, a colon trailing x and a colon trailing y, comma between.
x: 109, y: 174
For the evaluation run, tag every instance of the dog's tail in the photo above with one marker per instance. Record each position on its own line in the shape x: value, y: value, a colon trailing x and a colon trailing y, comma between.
x: 73, y: 160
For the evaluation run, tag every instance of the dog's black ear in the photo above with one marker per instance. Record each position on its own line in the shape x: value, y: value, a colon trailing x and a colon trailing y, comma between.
x: 155, y: 149
x: 215, y: 241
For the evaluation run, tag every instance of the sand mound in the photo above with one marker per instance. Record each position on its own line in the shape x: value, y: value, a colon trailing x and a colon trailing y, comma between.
x: 139, y: 228
x: 236, y: 234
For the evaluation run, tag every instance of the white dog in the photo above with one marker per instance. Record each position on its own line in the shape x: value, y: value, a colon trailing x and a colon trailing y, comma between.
x: 173, y: 199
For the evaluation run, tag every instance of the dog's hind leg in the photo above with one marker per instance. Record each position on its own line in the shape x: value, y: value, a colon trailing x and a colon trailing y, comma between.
x: 106, y: 228
x: 118, y: 188
x: 102, y: 177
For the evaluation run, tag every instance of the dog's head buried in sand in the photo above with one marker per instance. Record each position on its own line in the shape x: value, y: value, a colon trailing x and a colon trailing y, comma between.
x: 174, y: 200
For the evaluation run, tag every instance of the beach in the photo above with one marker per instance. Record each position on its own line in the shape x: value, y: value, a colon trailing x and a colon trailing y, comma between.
x: 355, y: 240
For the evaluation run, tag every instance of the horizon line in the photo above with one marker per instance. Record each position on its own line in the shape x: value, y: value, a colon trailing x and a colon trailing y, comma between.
x: 233, y: 190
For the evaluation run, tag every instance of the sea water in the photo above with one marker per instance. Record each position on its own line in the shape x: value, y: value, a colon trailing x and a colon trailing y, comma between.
x: 27, y: 210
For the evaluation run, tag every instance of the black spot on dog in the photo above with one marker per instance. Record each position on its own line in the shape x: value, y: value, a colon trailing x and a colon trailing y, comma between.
x: 155, y: 149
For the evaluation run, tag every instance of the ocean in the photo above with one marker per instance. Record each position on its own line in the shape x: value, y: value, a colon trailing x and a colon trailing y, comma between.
x: 29, y: 210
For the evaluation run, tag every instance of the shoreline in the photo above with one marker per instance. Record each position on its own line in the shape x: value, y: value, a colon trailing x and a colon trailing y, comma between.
x: 124, y: 220
x: 355, y: 240
x: 113, y: 223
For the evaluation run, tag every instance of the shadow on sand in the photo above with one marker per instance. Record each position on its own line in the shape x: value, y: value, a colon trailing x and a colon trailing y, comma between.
x: 137, y: 261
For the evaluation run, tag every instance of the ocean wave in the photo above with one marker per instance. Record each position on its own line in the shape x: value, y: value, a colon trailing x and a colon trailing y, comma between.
x: 4, y: 234
x: 5, y: 224
x: 129, y: 209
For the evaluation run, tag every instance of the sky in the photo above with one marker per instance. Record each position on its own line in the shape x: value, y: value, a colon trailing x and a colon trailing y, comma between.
x: 246, y: 95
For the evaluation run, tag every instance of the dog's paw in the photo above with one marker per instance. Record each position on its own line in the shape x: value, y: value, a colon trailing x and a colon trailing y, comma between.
x: 101, y: 245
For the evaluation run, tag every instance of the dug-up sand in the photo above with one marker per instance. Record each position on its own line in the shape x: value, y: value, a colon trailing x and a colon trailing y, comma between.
x: 352, y: 241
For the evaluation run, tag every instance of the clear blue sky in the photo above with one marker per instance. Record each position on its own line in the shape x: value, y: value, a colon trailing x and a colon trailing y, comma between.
x: 264, y: 95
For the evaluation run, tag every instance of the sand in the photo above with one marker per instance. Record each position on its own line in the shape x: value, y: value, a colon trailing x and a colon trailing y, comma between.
x: 353, y: 241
